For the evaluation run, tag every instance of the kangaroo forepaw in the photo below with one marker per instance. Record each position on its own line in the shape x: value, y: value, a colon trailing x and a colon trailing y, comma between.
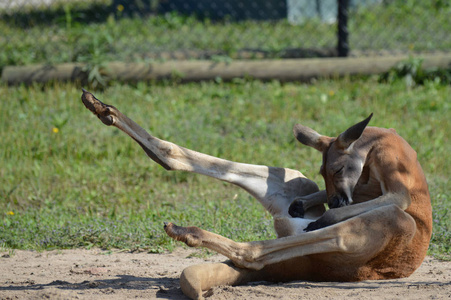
x: 313, y: 226
x: 191, y: 236
x: 97, y: 107
x: 327, y: 219
x: 297, y: 209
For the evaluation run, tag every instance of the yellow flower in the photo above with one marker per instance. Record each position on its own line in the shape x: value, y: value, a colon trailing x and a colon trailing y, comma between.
x: 11, y: 213
x: 331, y: 93
x: 120, y: 7
x: 55, y: 130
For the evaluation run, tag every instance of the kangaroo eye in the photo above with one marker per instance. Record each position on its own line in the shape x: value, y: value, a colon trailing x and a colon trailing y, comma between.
x: 339, y: 171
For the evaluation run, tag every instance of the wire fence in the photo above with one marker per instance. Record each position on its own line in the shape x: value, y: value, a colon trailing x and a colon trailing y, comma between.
x: 53, y: 31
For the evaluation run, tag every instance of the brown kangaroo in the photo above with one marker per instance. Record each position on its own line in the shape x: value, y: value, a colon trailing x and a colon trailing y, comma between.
x: 379, y: 225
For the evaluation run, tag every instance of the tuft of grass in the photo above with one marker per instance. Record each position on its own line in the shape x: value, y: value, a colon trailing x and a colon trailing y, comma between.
x: 412, y: 73
x: 66, y: 180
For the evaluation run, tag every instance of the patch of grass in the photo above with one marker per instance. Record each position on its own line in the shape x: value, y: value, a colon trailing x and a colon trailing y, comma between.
x: 142, y: 39
x: 66, y: 180
x: 79, y: 33
x: 412, y: 73
x: 401, y: 26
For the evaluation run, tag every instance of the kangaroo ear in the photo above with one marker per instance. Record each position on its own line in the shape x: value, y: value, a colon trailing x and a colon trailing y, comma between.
x: 352, y: 134
x: 310, y: 137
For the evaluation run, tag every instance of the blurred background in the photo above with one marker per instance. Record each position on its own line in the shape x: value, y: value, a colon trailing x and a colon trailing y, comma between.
x: 55, y: 31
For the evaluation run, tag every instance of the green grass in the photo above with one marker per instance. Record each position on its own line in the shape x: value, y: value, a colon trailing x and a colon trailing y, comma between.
x: 142, y: 39
x: 67, y: 181
x: 96, y: 34
x: 402, y: 25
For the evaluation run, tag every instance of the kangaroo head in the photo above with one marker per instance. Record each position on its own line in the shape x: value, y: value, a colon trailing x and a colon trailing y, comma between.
x: 343, y: 161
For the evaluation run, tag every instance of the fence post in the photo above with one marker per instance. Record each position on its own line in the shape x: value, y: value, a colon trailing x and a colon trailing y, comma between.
x: 342, y: 32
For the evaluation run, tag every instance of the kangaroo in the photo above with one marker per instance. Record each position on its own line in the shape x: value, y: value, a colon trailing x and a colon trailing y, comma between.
x: 378, y: 226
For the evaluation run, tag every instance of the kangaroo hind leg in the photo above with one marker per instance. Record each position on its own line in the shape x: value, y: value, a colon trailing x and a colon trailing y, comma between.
x: 274, y: 188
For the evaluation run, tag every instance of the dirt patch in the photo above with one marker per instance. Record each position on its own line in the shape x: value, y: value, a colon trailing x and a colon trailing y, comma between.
x: 97, y: 274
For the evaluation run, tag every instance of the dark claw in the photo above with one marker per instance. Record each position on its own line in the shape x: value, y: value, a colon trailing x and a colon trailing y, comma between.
x: 296, y: 209
x: 312, y: 226
x: 97, y: 107
x: 318, y: 224
x: 337, y: 202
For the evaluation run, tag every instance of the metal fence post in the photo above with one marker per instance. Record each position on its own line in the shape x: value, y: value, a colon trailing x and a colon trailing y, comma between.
x: 342, y: 32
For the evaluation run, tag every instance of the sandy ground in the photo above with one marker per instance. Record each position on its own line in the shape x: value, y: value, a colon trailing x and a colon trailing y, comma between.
x: 97, y: 274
